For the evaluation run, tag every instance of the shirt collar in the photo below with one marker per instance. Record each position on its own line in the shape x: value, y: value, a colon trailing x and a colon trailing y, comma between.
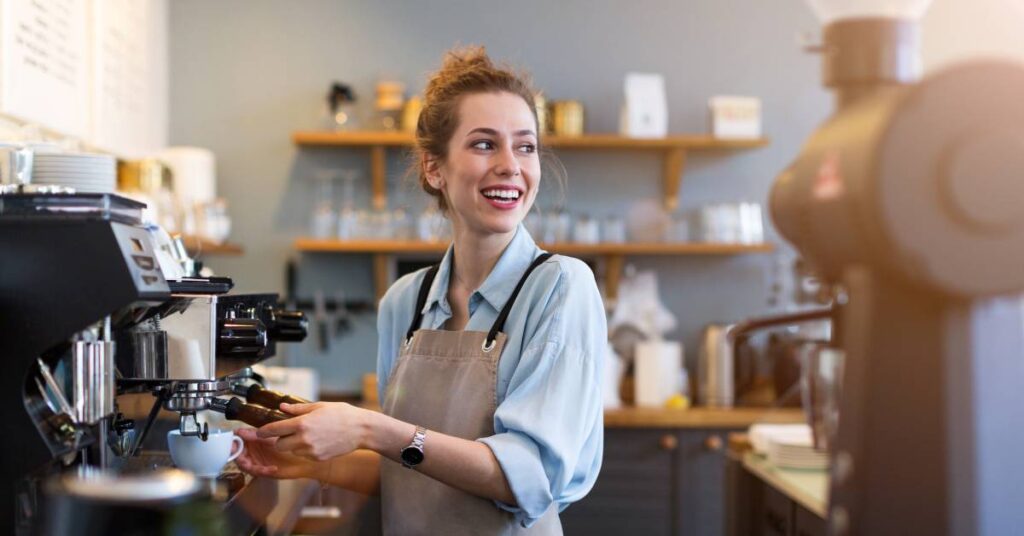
x: 502, y: 280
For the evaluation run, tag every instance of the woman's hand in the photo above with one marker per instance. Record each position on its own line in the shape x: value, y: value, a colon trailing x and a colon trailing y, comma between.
x: 320, y: 431
x: 261, y: 458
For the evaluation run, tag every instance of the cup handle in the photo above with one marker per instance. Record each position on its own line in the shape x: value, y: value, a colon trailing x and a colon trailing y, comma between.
x: 241, y: 447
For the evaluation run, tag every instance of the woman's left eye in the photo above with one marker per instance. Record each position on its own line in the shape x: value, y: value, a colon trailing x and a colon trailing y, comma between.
x: 528, y: 148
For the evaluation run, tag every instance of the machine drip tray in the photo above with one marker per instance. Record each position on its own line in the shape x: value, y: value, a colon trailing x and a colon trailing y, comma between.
x: 246, y: 500
x: 146, y: 460
x: 225, y: 488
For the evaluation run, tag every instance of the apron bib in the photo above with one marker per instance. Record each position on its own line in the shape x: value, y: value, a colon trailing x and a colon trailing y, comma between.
x: 445, y: 381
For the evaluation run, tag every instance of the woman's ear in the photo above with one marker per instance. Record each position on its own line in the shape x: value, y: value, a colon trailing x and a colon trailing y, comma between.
x: 432, y: 171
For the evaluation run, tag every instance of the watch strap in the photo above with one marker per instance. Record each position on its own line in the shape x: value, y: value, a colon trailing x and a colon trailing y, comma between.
x: 418, y: 437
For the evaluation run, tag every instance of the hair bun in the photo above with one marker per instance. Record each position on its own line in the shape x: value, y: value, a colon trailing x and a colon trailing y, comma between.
x: 466, y: 59
x: 461, y: 65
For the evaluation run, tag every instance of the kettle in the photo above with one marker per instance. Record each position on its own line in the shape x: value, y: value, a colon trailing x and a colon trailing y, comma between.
x: 716, y: 383
x: 726, y: 356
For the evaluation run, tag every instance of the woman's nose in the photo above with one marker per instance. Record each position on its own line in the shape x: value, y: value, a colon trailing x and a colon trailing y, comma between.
x: 507, y: 164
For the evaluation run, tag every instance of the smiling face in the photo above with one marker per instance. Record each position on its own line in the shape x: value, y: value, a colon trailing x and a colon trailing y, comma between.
x: 491, y: 174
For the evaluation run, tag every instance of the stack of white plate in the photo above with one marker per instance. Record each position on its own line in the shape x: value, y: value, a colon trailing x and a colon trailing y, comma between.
x: 795, y: 452
x: 85, y: 172
x: 762, y: 434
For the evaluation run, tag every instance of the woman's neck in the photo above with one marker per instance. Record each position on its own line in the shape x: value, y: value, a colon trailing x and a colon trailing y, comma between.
x: 476, y: 255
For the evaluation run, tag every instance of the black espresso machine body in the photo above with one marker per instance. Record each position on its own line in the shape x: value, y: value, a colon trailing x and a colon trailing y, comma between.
x: 59, y: 274
x: 86, y: 314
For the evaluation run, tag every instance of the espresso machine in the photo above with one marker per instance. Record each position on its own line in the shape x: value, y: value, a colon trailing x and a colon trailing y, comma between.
x: 908, y: 200
x: 95, y: 304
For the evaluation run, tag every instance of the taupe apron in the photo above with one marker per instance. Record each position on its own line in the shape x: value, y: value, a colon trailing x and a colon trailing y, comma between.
x: 445, y: 381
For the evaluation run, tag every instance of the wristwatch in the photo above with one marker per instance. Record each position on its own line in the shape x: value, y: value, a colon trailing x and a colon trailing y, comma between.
x: 413, y: 454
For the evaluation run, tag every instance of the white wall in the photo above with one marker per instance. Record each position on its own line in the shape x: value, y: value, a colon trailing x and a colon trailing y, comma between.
x: 955, y: 30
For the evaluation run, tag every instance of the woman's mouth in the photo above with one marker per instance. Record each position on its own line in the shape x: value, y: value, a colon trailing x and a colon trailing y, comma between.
x: 503, y: 198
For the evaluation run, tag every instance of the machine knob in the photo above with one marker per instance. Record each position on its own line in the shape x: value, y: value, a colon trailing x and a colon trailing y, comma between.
x: 287, y: 326
x: 241, y: 337
x: 713, y: 443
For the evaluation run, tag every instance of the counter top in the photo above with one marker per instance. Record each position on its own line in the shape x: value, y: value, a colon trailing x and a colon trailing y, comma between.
x: 138, y: 406
x: 808, y: 487
x: 638, y: 417
x: 292, y: 496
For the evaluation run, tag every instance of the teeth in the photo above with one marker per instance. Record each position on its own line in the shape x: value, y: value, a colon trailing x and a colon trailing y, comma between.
x: 502, y: 194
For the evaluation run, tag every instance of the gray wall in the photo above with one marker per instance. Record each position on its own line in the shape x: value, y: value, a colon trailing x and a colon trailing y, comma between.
x: 245, y: 74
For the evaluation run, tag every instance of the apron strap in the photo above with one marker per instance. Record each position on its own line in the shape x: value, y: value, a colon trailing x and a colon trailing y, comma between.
x: 499, y: 323
x: 421, y: 300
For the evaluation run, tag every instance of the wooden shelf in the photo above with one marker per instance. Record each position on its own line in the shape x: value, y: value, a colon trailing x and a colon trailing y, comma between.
x: 321, y: 245
x: 632, y: 248
x: 586, y: 141
x: 612, y: 254
x: 198, y: 247
x: 674, y: 149
x: 699, y: 417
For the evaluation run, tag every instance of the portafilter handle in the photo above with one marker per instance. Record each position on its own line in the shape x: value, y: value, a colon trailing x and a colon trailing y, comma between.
x: 251, y: 414
x: 257, y: 394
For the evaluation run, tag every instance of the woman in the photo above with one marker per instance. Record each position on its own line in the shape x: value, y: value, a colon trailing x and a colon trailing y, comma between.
x: 488, y: 364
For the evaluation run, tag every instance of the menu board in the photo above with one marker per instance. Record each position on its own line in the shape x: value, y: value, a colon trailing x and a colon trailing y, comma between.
x: 44, y: 63
x: 129, y: 76
x: 91, y: 69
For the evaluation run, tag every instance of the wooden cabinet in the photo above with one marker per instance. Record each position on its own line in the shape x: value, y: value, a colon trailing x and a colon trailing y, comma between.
x: 807, y: 523
x: 701, y: 470
x: 778, y: 515
x: 775, y: 515
x: 634, y: 493
x: 655, y: 482
x: 756, y: 508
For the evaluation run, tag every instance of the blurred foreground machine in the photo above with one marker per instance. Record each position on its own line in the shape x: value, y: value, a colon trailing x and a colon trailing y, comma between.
x: 93, y: 305
x: 909, y: 200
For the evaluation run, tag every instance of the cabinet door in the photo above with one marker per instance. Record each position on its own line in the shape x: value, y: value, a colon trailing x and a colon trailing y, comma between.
x: 807, y: 523
x: 742, y: 499
x: 634, y: 492
x: 701, y: 470
x: 776, y: 513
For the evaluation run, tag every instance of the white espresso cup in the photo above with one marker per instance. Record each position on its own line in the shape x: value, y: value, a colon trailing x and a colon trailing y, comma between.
x: 204, y: 458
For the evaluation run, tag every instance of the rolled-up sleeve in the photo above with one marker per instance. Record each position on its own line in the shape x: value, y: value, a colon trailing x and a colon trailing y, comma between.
x: 393, y: 314
x: 549, y: 432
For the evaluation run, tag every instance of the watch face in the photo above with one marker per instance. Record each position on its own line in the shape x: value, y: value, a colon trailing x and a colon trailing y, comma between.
x: 412, y: 456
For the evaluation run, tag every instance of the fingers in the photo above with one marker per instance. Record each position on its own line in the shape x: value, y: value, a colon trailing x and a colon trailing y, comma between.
x: 292, y: 444
x: 280, y: 428
x: 299, y: 409
x: 296, y: 446
x: 256, y: 469
x: 252, y: 439
x: 255, y: 466
x: 248, y: 434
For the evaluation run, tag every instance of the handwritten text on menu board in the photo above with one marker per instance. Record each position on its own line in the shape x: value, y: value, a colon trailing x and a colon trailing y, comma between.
x: 92, y: 69
x: 129, y: 82
x: 44, y: 65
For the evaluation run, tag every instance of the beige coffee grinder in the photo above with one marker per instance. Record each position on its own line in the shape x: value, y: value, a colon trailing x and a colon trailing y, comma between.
x: 910, y: 200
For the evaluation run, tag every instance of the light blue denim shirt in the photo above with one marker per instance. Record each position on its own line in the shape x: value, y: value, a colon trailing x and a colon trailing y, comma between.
x: 548, y: 426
